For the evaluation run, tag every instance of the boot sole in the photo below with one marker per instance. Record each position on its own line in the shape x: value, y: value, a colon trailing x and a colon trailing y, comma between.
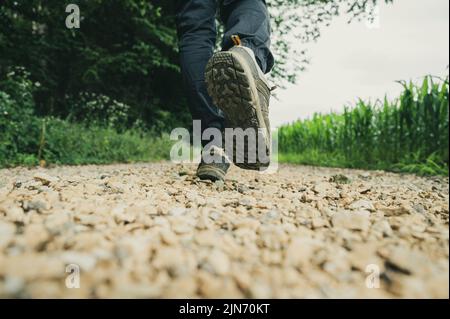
x: 232, y: 86
x: 211, y: 173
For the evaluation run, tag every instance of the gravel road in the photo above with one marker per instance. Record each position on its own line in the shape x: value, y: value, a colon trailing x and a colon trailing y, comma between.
x: 154, y: 230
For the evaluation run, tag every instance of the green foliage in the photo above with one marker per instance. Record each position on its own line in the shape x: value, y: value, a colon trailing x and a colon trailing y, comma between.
x: 17, y: 122
x: 69, y: 143
x: 76, y: 144
x: 26, y: 139
x: 124, y: 54
x: 99, y: 110
x: 409, y: 134
x: 97, y: 93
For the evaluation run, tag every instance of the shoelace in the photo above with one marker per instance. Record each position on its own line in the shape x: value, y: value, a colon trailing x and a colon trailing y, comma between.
x: 237, y: 42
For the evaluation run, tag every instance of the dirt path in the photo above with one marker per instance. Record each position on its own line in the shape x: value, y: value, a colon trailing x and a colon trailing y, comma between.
x: 153, y: 230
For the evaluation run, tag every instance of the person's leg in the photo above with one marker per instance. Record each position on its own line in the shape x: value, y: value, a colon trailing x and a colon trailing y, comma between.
x: 197, y: 38
x: 249, y: 19
x: 196, y: 25
x: 236, y: 81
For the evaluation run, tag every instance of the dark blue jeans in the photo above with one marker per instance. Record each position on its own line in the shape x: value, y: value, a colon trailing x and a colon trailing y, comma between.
x: 197, y: 32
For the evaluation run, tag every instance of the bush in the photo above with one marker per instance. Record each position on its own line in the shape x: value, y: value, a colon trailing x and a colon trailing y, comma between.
x: 124, y: 54
x: 18, y: 125
x: 99, y: 110
x: 75, y: 144
x: 25, y: 138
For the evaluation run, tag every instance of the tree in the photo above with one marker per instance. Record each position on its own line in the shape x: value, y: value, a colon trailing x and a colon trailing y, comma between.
x: 123, y: 60
x: 124, y: 56
x: 305, y: 19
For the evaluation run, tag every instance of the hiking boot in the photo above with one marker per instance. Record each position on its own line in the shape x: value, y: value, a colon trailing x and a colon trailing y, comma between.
x: 239, y: 88
x: 215, y: 168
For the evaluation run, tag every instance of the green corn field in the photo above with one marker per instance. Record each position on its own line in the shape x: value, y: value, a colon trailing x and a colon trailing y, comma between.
x: 409, y: 134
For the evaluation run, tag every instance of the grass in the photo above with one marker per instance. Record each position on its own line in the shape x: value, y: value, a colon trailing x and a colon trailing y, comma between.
x: 27, y: 139
x: 409, y: 134
x: 63, y: 142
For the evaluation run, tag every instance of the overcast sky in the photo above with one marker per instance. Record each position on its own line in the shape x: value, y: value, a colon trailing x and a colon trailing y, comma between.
x: 350, y: 60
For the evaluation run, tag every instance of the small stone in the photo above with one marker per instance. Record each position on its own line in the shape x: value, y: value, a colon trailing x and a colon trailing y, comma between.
x: 300, y: 251
x: 91, y: 219
x: 243, y: 280
x: 217, y: 262
x: 352, y: 220
x: 394, y: 211
x: 340, y: 179
x: 177, y: 211
x: 7, y: 231
x: 214, y: 215
x: 145, y: 232
x: 168, y: 237
x: 38, y: 205
x: 32, y: 265
x: 247, y: 201
x: 115, y: 187
x: 409, y: 261
x: 216, y: 287
x: 362, y: 205
x: 419, y: 209
x: 260, y: 290
x: 309, y: 212
x: 192, y: 196
x: 182, y: 225
x: 243, y: 189
x: 183, y: 173
x: 337, y: 265
x: 58, y: 223
x: 319, y: 223
x: 383, y: 227
x: 365, y: 190
x: 175, y: 260
x: 271, y: 257
x: 120, y: 215
x: 161, y: 222
x: 363, y: 255
x: 36, y: 235
x: 365, y: 176
x: 13, y: 286
x: 405, y: 285
x: 272, y: 237
x: 45, y: 179
x: 249, y: 223
x: 16, y: 184
x: 321, y: 188
x: 206, y: 238
x: 219, y: 185
x: 203, y: 222
x: 180, y: 288
x: 272, y: 215
x: 14, y: 213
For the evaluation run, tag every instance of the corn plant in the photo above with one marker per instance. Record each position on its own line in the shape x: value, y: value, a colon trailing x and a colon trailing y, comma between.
x: 407, y: 134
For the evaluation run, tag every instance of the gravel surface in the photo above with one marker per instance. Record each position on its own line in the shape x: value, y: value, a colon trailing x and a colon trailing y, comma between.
x: 154, y: 230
